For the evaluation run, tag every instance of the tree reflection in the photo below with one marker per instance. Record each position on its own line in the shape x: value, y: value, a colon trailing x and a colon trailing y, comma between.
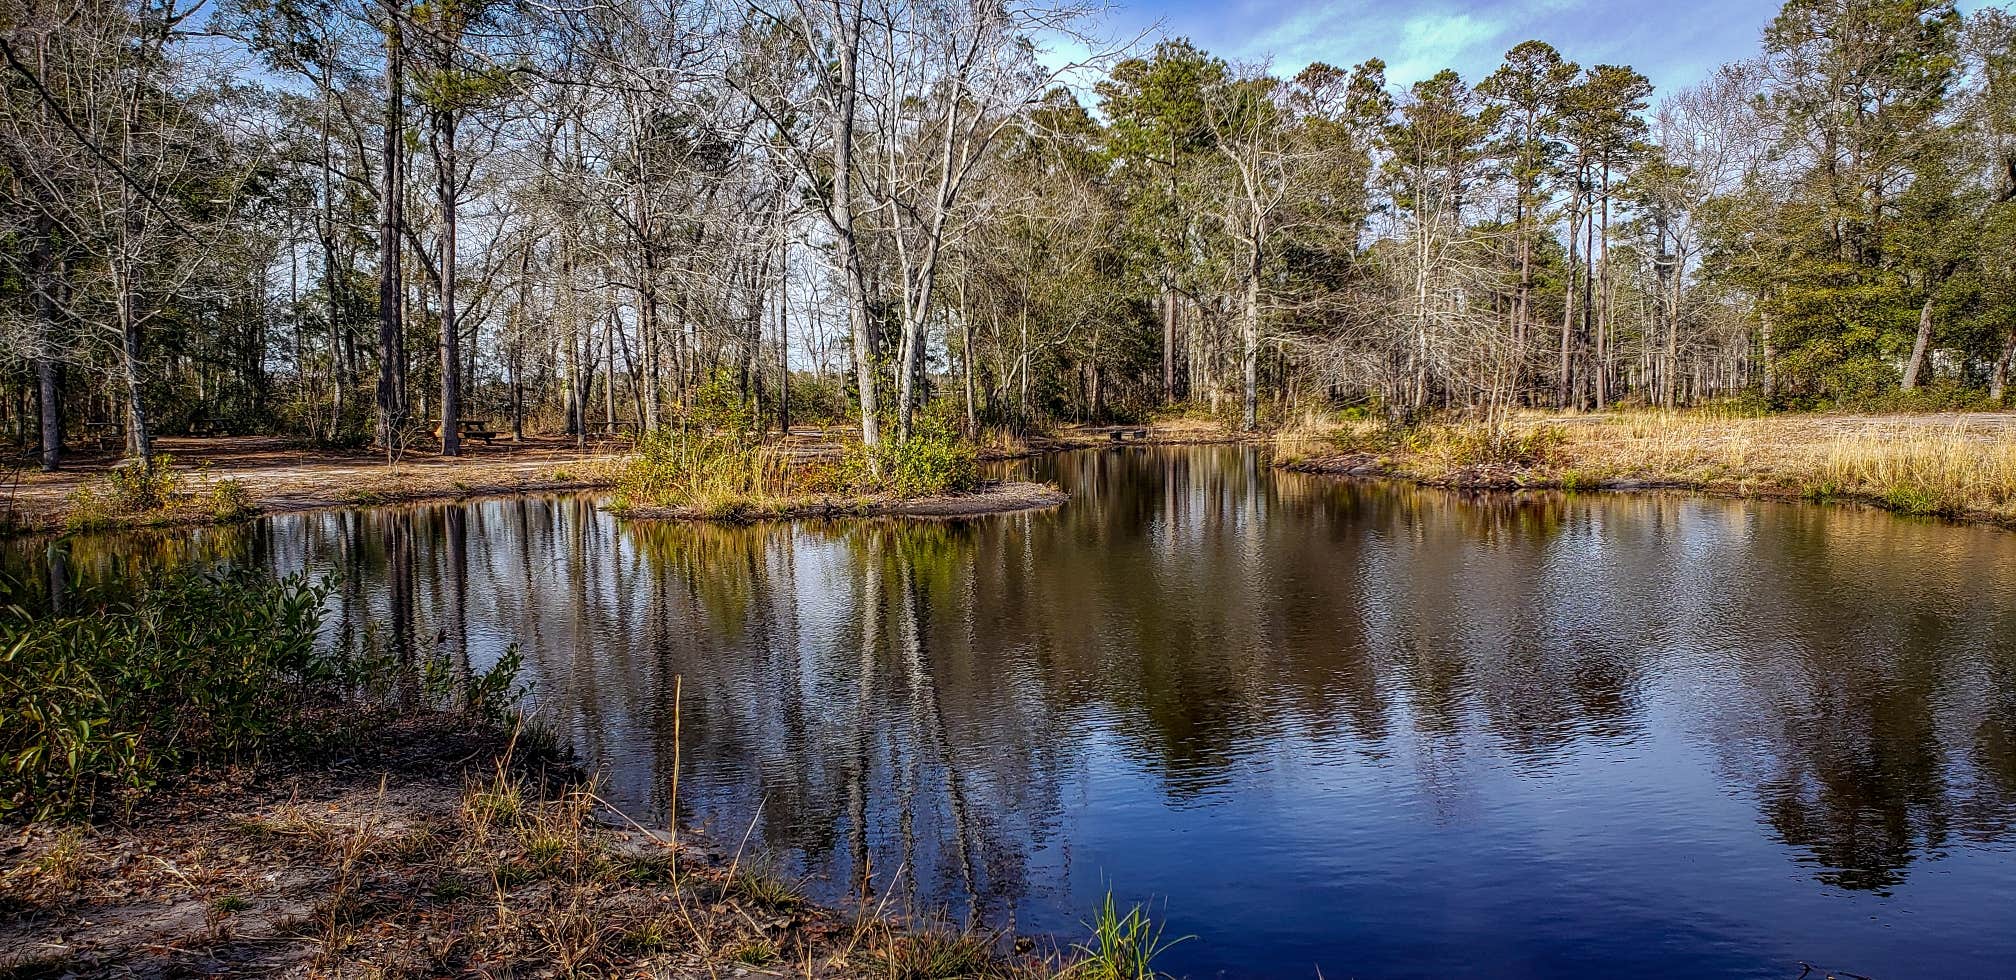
x: 924, y: 706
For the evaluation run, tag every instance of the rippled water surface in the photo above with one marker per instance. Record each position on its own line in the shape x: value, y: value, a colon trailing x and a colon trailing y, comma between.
x: 1364, y: 728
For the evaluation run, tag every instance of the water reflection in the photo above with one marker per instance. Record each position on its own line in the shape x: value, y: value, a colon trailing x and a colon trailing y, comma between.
x: 1363, y: 726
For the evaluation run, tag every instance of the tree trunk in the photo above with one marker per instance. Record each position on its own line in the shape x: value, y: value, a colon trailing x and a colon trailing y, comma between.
x: 1998, y: 381
x: 966, y: 358
x: 647, y: 328
x: 841, y: 209
x: 1588, y: 310
x: 451, y: 359
x: 1916, y: 365
x: 1249, y: 360
x: 1565, y: 380
x: 784, y: 343
x: 1604, y: 312
x: 391, y: 381
x: 49, y: 385
x: 609, y: 371
x: 1770, y: 366
x: 48, y: 370
x: 1670, y: 383
x: 139, y: 440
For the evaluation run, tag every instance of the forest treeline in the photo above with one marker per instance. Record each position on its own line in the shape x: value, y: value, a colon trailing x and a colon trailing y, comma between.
x: 366, y: 221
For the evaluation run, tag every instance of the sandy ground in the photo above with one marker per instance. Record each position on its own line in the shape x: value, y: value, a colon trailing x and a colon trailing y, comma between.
x: 281, y: 476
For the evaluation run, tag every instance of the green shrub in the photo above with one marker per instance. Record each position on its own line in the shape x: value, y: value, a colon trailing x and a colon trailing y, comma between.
x: 134, y: 488
x: 933, y: 460
x: 124, y: 491
x: 819, y: 400
x: 718, y: 406
x: 146, y: 678
x: 190, y: 668
x: 1942, y: 395
x: 230, y: 500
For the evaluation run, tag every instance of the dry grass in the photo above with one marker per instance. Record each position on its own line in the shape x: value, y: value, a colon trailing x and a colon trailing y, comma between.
x: 1951, y: 465
x: 1950, y: 473
x: 712, y: 474
x: 1001, y: 442
x: 503, y: 872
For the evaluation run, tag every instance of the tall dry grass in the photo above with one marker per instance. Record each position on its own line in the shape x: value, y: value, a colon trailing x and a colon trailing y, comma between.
x: 1912, y: 464
x: 711, y: 473
x: 1951, y: 472
x: 1953, y: 465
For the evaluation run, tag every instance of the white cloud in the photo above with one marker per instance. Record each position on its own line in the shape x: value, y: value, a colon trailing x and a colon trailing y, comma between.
x: 1415, y: 40
x: 1431, y: 43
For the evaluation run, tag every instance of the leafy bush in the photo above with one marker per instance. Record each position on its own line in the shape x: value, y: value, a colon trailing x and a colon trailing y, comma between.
x: 1943, y: 395
x: 190, y: 668
x: 131, y: 494
x: 718, y: 406
x: 819, y: 399
x: 230, y: 500
x: 124, y: 491
x: 933, y: 460
x: 180, y: 669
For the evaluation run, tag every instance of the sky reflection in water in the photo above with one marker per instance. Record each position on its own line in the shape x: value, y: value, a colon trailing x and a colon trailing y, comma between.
x: 1366, y: 727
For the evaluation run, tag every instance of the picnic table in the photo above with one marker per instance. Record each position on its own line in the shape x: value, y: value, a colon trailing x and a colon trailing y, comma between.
x: 102, y: 431
x: 471, y: 429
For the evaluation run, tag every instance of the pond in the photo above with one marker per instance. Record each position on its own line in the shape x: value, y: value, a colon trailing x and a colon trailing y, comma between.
x: 1351, y: 726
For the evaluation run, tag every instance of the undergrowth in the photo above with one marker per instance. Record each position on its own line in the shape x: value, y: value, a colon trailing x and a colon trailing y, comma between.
x: 156, y: 493
x: 730, y: 472
x: 145, y: 678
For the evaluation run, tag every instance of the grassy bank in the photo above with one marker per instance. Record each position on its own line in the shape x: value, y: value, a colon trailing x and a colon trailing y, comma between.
x: 734, y: 474
x: 193, y: 785
x: 452, y: 858
x: 1953, y: 465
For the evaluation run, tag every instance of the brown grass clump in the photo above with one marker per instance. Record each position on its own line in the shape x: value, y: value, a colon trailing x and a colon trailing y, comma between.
x: 1952, y: 465
x: 157, y: 494
x: 409, y: 872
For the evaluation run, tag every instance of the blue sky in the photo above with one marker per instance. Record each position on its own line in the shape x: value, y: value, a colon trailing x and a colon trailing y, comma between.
x: 1673, y: 43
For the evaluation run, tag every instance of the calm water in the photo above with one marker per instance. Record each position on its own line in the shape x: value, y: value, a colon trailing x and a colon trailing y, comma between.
x: 1362, y: 727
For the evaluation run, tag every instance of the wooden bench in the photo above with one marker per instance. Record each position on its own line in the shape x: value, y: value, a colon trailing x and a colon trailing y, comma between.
x: 1122, y: 435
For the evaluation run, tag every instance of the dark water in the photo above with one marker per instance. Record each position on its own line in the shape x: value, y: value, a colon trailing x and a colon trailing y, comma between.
x: 1361, y: 727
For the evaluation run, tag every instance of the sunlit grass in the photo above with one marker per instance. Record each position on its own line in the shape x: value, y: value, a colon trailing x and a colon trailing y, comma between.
x: 1948, y: 472
x: 1124, y: 945
x: 1914, y: 464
